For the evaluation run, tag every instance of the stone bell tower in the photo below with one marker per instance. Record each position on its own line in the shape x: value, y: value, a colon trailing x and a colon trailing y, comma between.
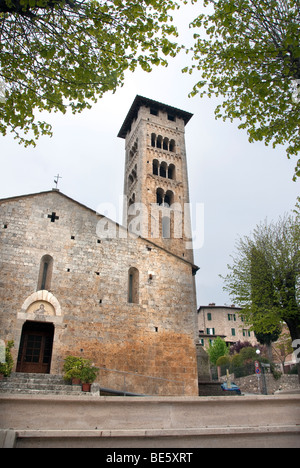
x: 156, y: 180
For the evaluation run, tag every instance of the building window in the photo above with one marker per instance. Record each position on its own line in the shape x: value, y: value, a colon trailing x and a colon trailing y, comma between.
x: 233, y: 331
x: 171, y: 172
x: 45, y: 273
x: 209, y: 316
x: 172, y: 146
x: 210, y: 331
x: 163, y: 170
x: 160, y: 142
x: 133, y: 286
x: 159, y: 196
x: 155, y: 166
x: 232, y: 317
x: 169, y: 198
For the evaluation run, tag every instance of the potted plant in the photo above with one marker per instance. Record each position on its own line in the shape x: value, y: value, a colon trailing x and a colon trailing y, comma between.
x: 7, y: 366
x: 88, y: 375
x: 72, y: 369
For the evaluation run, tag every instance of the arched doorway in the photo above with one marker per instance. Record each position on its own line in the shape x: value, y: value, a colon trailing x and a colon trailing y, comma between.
x: 36, y: 345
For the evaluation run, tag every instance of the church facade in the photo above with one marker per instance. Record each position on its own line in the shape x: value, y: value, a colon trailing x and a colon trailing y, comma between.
x: 75, y: 283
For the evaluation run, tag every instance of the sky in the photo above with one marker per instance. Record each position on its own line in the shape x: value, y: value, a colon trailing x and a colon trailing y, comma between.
x: 239, y: 184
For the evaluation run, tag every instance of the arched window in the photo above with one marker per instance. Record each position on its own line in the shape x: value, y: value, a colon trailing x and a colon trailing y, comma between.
x: 153, y: 140
x: 133, y: 285
x: 45, y: 273
x: 172, y: 146
x: 159, y: 142
x: 130, y: 180
x: 163, y: 169
x: 159, y: 196
x: 166, y: 144
x: 169, y: 198
x: 171, y: 172
x: 131, y: 200
x: 155, y: 166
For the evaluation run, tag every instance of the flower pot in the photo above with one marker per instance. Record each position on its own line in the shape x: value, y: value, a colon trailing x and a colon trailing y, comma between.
x: 76, y: 381
x: 86, y: 387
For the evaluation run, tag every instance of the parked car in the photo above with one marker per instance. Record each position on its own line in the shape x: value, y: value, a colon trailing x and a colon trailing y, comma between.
x: 234, y: 388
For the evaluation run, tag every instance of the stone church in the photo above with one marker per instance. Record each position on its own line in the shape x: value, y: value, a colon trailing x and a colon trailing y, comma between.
x: 74, y: 282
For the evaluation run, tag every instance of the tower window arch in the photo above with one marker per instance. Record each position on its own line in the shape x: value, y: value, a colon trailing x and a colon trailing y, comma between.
x: 159, y: 142
x: 159, y: 196
x: 130, y: 180
x: 172, y: 146
x: 163, y: 169
x: 171, y: 172
x: 133, y: 285
x: 155, y: 166
x: 166, y: 144
x: 169, y: 198
x: 45, y: 273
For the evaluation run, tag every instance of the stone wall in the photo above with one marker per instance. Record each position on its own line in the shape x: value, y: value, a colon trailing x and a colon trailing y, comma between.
x: 156, y: 422
x: 249, y: 384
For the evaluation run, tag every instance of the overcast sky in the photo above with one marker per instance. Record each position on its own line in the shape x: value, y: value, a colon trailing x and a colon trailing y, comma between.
x: 240, y: 184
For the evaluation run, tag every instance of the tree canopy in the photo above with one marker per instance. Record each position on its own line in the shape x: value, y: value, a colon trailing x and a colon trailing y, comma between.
x: 60, y: 54
x: 248, y: 51
x: 217, y: 349
x: 264, y: 277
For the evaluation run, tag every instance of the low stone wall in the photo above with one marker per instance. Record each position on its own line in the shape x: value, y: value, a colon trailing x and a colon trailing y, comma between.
x: 249, y: 384
x: 44, y: 421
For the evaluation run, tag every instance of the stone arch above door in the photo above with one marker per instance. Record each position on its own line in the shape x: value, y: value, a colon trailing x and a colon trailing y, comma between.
x: 41, y: 305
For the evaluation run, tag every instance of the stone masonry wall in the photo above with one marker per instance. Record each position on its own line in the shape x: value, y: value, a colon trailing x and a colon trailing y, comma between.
x: 155, y: 337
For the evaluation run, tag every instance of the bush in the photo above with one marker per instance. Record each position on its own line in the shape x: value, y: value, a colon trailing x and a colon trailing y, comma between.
x: 248, y: 354
x: 217, y: 350
x: 72, y: 367
x: 79, y: 368
x: 223, y: 361
x: 237, y: 360
x: 7, y: 366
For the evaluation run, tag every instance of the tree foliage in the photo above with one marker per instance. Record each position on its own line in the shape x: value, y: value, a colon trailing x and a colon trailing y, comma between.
x: 264, y: 277
x: 248, y: 51
x: 60, y: 54
x: 217, y: 349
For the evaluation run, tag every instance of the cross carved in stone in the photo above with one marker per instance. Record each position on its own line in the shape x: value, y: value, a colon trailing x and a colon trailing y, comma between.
x: 53, y: 217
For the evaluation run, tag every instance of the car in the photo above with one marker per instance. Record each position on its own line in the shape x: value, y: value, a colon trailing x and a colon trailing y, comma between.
x: 234, y: 388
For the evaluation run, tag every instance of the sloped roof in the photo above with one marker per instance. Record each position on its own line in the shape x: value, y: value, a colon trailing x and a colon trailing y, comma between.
x: 140, y: 101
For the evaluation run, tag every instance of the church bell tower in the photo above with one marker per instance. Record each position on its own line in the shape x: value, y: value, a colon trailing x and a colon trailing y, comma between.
x: 156, y: 188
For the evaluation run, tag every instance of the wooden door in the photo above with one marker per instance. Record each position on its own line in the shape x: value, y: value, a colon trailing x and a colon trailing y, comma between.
x: 36, y: 348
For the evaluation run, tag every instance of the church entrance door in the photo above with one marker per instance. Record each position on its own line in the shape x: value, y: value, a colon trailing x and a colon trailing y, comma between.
x: 36, y: 348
